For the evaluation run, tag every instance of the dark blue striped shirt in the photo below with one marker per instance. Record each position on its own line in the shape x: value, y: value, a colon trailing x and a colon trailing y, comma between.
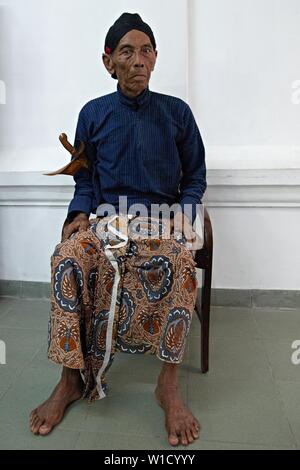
x: 147, y: 148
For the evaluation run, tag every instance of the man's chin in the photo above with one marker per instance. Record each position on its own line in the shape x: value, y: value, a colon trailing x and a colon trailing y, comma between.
x: 140, y: 84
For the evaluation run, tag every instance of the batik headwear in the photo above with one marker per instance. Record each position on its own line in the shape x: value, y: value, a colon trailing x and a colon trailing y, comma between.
x: 122, y: 26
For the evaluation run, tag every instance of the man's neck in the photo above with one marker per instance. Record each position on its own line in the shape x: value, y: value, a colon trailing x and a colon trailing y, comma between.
x: 131, y: 93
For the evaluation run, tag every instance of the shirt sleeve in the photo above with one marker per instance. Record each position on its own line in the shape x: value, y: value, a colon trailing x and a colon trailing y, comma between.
x: 83, y: 195
x: 192, y: 155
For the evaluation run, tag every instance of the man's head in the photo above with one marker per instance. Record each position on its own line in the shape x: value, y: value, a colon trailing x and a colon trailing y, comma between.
x: 130, y: 53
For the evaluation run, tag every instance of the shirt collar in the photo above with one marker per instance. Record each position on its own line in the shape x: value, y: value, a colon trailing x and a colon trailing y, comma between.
x: 137, y: 102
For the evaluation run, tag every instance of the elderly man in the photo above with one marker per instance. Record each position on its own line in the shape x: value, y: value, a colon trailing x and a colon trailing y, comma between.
x: 110, y: 293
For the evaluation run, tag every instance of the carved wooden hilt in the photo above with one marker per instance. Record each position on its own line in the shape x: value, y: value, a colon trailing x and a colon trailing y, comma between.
x: 79, y: 159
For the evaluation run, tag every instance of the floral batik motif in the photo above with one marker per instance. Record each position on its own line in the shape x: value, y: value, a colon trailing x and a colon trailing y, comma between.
x: 119, y: 287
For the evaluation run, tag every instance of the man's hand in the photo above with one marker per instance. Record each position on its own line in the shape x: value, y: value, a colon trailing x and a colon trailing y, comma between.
x: 181, y: 224
x: 78, y: 224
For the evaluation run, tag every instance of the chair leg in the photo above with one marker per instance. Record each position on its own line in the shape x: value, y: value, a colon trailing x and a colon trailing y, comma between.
x: 204, y: 347
x: 205, y: 319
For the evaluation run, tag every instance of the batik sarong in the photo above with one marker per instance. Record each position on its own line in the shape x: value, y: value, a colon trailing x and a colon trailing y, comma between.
x: 114, y: 288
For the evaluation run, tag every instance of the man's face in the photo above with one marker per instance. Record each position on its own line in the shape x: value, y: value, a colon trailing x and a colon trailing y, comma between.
x: 133, y: 61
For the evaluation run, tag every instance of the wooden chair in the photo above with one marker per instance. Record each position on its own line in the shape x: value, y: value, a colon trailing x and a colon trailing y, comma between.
x: 204, y: 258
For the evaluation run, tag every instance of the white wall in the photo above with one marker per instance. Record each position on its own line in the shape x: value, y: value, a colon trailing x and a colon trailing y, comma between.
x: 244, y: 59
x: 234, y: 61
x: 256, y: 248
x: 50, y: 62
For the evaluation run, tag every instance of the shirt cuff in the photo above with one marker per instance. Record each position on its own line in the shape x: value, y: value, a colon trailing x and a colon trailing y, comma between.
x: 81, y: 204
x: 189, y: 208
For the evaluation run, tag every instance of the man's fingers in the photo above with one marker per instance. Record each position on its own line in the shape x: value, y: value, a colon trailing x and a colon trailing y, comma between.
x: 73, y: 227
x: 78, y: 226
x: 189, y: 233
x: 83, y: 226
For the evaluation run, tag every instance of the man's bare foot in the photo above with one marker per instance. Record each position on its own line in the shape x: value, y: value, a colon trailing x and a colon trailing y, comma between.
x: 181, y: 425
x: 50, y: 413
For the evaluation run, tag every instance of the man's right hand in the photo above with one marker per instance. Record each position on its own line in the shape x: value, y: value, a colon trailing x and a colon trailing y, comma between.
x: 78, y: 224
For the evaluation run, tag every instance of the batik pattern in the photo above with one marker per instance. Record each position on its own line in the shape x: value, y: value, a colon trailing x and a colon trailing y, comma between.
x: 114, y: 290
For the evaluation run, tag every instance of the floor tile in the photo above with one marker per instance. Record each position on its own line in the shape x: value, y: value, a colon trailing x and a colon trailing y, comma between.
x: 237, y: 358
x: 21, y: 347
x: 228, y: 322
x: 29, y: 390
x: 279, y: 355
x: 231, y: 394
x: 233, y: 322
x: 290, y: 393
x: 277, y: 323
x: 14, y: 437
x: 33, y: 315
x: 6, y: 303
x: 243, y: 425
x: 248, y: 400
x: 105, y: 441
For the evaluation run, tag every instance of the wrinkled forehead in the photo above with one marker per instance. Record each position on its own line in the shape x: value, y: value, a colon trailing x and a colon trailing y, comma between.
x: 134, y: 38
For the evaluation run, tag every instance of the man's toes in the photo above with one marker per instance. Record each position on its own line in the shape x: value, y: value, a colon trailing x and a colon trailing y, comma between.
x: 37, y: 423
x: 32, y: 416
x: 195, y: 430
x: 45, y: 429
x: 197, y: 424
x: 173, y: 438
x: 32, y: 421
x: 184, y: 440
x: 189, y: 435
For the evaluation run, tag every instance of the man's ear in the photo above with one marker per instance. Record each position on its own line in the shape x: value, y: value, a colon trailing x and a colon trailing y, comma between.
x: 108, y: 63
x: 155, y: 52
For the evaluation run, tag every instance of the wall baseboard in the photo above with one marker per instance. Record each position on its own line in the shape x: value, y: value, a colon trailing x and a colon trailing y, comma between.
x: 226, y: 188
x: 219, y: 297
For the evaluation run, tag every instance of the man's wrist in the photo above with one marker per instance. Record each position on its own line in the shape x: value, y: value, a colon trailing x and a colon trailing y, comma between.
x: 71, y: 216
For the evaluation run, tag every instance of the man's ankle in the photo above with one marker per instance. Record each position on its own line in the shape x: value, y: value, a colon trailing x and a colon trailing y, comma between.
x: 168, y: 378
x: 70, y: 376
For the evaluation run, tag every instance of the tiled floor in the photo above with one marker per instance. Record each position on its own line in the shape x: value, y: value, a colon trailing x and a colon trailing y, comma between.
x: 248, y: 400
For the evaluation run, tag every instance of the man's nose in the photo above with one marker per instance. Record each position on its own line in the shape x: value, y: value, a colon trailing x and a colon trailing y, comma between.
x: 138, y: 59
